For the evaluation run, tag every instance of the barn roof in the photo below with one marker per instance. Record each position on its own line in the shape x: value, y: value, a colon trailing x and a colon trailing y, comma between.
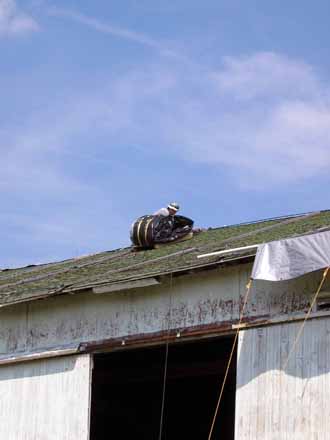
x: 113, y: 268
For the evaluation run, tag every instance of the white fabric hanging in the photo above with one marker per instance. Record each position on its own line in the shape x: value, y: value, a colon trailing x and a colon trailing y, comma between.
x: 290, y: 258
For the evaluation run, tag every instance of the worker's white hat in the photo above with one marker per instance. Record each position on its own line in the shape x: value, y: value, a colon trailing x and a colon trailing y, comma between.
x: 174, y: 206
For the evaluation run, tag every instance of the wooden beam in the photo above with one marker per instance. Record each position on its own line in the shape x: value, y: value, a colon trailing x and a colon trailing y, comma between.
x: 229, y: 251
x: 284, y: 319
x: 24, y: 357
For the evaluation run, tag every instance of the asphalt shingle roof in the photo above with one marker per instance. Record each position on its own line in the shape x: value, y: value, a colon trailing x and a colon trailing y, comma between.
x: 33, y: 282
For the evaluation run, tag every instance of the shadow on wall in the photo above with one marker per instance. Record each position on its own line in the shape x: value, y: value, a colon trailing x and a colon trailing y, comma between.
x: 37, y: 368
x: 269, y: 298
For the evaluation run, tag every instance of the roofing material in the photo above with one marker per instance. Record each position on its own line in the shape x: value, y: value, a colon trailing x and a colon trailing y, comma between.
x: 123, y: 265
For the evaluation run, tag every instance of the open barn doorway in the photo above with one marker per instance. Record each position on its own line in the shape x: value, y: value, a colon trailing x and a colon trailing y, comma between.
x: 127, y: 392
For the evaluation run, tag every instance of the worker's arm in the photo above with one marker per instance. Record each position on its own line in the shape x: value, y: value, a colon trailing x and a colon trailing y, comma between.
x: 162, y: 211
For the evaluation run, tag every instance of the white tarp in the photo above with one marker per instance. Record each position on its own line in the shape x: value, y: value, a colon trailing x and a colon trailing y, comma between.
x: 290, y: 258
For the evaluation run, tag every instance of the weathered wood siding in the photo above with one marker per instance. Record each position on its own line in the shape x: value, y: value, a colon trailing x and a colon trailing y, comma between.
x: 272, y: 404
x: 46, y: 400
x: 206, y: 299
x: 195, y: 300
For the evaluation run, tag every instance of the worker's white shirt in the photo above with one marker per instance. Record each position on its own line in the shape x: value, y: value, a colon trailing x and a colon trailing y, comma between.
x: 162, y: 211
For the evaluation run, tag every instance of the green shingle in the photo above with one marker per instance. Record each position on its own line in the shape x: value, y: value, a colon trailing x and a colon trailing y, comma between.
x: 28, y: 283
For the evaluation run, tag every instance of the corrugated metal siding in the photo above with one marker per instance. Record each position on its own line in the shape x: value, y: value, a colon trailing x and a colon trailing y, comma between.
x: 46, y: 400
x: 277, y: 405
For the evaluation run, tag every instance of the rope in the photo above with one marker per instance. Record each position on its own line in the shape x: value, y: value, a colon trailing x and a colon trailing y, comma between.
x: 166, y: 361
x: 248, y: 288
x: 325, y: 273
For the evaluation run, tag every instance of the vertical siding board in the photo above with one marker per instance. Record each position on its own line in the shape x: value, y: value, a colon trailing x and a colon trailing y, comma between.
x: 326, y: 384
x: 271, y: 389
x: 46, y: 399
x: 319, y: 377
x: 292, y: 404
x: 261, y: 381
x: 287, y: 385
x: 308, y: 394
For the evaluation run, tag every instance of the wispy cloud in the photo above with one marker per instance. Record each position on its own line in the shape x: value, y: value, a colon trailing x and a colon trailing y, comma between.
x: 265, y: 74
x: 116, y: 31
x: 13, y: 21
x: 273, y: 119
x: 265, y: 118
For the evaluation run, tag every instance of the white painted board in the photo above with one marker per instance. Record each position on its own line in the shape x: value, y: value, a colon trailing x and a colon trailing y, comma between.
x: 46, y: 400
x: 294, y: 404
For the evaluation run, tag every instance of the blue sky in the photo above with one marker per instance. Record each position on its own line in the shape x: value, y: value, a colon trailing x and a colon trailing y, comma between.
x: 110, y: 110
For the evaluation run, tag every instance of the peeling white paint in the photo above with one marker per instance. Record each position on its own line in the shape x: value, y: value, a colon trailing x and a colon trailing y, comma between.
x: 208, y: 298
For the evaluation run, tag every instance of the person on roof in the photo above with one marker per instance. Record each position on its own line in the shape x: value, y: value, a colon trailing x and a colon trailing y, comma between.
x: 171, y: 210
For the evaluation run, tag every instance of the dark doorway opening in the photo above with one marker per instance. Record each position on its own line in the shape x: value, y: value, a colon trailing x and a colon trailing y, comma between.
x: 127, y: 391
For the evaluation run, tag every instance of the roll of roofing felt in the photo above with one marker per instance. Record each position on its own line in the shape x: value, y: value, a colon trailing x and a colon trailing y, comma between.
x: 142, y: 231
x: 148, y: 230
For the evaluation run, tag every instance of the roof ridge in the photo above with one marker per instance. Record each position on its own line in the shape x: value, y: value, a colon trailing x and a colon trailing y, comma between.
x: 255, y: 222
x: 287, y: 221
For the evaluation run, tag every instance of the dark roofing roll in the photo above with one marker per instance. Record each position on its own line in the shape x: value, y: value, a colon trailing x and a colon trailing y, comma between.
x: 148, y: 230
x: 142, y: 234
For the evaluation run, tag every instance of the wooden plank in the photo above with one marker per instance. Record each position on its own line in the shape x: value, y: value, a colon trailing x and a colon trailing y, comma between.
x: 279, y: 320
x: 228, y: 251
x: 46, y: 399
x: 25, y: 357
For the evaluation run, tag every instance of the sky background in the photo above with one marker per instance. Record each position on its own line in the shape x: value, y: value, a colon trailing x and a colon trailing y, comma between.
x: 110, y: 110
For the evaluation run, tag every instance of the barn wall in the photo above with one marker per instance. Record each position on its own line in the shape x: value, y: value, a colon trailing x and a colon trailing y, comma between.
x: 208, y: 298
x: 294, y: 404
x: 48, y: 399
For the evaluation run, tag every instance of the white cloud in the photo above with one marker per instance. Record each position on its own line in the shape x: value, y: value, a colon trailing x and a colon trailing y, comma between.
x: 115, y: 31
x: 13, y: 21
x: 265, y: 118
x: 272, y: 123
x: 265, y: 74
